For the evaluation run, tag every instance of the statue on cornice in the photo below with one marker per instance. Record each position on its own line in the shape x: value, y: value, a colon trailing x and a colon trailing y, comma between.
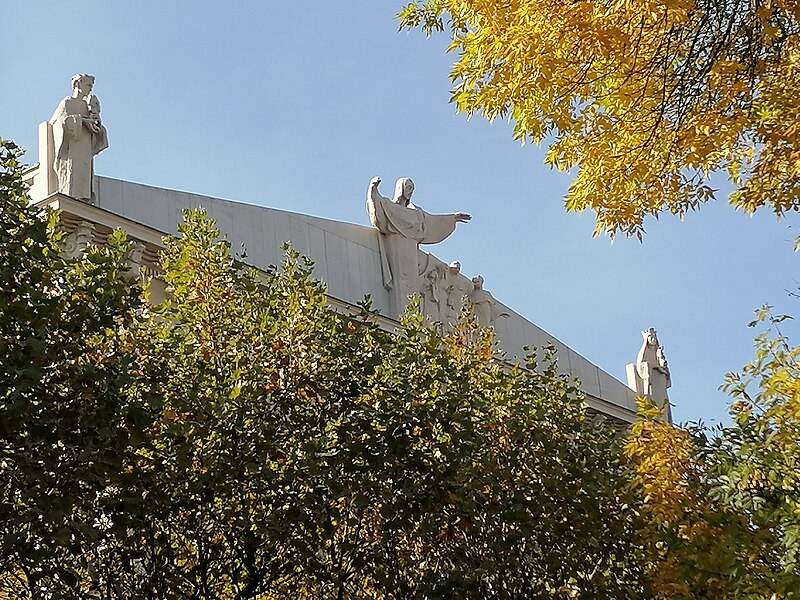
x: 432, y: 293
x: 487, y: 311
x: 403, y: 227
x: 78, y: 134
x: 400, y: 216
x: 649, y: 375
x: 456, y: 287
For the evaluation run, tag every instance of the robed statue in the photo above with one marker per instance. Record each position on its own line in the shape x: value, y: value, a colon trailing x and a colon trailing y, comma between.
x: 400, y: 216
x: 403, y: 226
x: 649, y: 375
x: 78, y: 134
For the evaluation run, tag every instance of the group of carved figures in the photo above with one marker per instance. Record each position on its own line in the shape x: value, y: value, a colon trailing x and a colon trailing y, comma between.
x: 77, y: 242
x: 442, y: 289
x: 444, y: 292
x: 78, y: 135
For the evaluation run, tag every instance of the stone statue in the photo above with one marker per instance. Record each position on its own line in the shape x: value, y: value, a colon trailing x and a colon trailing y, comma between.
x: 663, y: 366
x: 432, y: 293
x: 78, y: 134
x: 403, y: 227
x: 456, y: 287
x: 650, y: 376
x: 400, y: 216
x: 486, y: 308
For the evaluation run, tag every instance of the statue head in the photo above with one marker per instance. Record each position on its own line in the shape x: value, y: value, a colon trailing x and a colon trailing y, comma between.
x: 436, y: 273
x: 403, y: 190
x: 650, y: 337
x: 454, y: 267
x: 477, y: 281
x: 662, y: 359
x: 82, y: 83
x: 94, y: 104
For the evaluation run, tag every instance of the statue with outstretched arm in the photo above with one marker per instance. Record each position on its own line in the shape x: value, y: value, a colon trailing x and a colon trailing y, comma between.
x: 402, y: 227
x: 400, y: 216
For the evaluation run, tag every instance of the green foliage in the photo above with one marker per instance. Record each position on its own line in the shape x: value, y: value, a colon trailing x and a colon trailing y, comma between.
x: 304, y: 452
x: 757, y: 466
x: 68, y: 429
x: 723, y: 510
x: 244, y: 440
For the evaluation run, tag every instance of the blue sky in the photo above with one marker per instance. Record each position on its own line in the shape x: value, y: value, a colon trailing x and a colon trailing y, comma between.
x: 297, y: 105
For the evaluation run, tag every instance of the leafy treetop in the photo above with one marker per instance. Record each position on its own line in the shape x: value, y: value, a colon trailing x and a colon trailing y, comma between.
x: 645, y: 98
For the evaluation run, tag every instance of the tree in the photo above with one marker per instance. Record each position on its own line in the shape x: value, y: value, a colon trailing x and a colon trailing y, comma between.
x: 244, y: 440
x: 722, y: 510
x: 305, y: 452
x: 646, y: 99
x: 67, y: 427
x: 757, y: 460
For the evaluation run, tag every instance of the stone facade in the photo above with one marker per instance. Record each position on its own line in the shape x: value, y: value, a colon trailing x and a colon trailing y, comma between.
x: 383, y: 261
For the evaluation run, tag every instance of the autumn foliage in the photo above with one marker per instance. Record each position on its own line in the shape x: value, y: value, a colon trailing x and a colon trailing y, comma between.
x: 244, y: 440
x: 719, y: 522
x: 646, y: 99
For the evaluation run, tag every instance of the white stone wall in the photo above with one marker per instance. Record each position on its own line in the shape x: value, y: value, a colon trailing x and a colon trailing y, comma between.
x: 346, y: 256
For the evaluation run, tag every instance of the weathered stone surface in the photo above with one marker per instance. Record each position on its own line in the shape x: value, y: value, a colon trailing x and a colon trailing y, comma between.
x: 76, y: 242
x: 403, y: 227
x: 487, y: 310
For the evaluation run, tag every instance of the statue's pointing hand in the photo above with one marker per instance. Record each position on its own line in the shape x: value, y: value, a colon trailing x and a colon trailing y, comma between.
x: 462, y: 217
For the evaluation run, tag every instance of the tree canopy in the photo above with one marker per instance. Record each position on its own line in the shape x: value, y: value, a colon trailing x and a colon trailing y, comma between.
x: 244, y: 440
x: 646, y: 99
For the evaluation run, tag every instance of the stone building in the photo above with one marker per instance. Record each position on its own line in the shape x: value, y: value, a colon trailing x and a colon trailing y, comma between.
x: 384, y: 261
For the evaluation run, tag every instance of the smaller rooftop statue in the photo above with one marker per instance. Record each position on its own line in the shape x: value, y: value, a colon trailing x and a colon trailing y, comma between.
x: 456, y: 287
x: 78, y: 134
x: 487, y: 310
x: 650, y: 376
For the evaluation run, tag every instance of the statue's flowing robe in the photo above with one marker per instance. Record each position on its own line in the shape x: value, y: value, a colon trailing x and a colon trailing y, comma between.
x: 411, y: 226
x: 409, y: 221
x: 487, y: 310
x: 653, y: 374
x: 75, y: 146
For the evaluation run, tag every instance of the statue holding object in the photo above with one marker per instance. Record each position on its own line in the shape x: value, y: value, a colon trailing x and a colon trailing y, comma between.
x: 78, y: 134
x: 649, y: 375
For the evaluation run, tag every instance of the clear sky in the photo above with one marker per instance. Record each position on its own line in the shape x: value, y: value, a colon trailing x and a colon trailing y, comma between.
x: 296, y: 105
